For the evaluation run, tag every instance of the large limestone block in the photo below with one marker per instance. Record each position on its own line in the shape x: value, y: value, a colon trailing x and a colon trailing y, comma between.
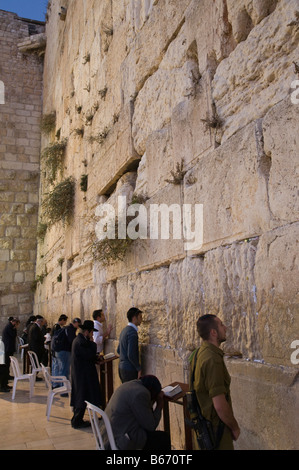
x: 157, y: 224
x: 156, y: 163
x: 191, y: 135
x: 163, y: 22
x: 259, y: 72
x: 207, y: 23
x: 113, y: 153
x: 277, y: 282
x: 229, y: 290
x: 230, y: 184
x: 245, y: 14
x: 281, y: 143
x: 185, y: 303
x: 265, y: 401
x: 80, y: 276
x: 175, y: 80
x: 164, y: 242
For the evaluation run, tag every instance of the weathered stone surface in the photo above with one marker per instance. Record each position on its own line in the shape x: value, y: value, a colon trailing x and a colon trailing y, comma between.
x: 259, y: 72
x: 281, y: 130
x: 154, y: 104
x: 245, y: 14
x: 276, y: 275
x: 267, y: 384
x: 232, y: 190
x: 147, y: 79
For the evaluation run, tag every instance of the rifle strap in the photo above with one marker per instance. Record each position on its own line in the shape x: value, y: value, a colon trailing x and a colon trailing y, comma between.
x: 221, y: 425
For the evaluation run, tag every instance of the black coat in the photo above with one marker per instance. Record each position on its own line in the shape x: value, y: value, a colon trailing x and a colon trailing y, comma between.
x: 36, y: 340
x: 9, y: 335
x: 84, y: 376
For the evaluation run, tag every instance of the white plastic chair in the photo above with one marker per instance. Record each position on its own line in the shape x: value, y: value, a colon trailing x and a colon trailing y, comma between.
x: 100, y: 431
x: 20, y: 342
x: 49, y: 379
x: 18, y: 376
x: 35, y: 365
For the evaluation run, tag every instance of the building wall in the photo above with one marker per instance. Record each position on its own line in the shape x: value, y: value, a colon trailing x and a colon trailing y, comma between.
x: 138, y: 88
x: 20, y: 114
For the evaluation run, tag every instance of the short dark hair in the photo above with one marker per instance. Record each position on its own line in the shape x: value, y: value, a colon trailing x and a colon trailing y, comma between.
x: 205, y: 324
x: 152, y: 383
x: 62, y: 317
x: 97, y: 313
x: 133, y: 312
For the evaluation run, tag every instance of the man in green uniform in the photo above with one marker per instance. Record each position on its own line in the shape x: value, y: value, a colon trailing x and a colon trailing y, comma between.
x: 212, y: 380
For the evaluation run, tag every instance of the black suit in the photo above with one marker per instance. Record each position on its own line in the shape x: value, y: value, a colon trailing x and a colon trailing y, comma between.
x: 9, y: 335
x: 84, y: 377
x: 36, y: 341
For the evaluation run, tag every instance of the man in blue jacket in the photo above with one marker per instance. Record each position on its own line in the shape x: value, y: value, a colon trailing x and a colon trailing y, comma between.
x: 128, y: 350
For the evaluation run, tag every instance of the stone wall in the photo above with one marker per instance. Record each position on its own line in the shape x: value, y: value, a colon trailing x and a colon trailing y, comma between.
x: 20, y: 114
x: 139, y: 87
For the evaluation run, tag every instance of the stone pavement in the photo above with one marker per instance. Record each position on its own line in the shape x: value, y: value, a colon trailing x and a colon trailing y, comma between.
x: 24, y: 424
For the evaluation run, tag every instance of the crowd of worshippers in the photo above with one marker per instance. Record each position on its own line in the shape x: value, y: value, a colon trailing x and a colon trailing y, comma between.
x: 74, y: 350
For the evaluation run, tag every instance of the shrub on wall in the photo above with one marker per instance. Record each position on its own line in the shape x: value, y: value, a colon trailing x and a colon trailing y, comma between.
x: 59, y: 203
x: 48, y: 123
x: 53, y: 157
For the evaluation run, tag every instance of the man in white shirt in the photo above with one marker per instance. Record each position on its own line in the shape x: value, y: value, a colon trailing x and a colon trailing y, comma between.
x: 100, y: 335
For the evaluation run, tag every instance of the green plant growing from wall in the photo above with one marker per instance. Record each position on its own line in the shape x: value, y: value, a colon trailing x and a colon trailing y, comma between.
x: 100, y: 137
x: 84, y: 183
x: 41, y: 231
x: 103, y: 92
x: 110, y: 250
x: 86, y: 58
x: 48, y: 123
x: 178, y: 174
x: 213, y: 121
x: 53, y: 157
x: 79, y: 131
x: 38, y: 280
x: 59, y: 203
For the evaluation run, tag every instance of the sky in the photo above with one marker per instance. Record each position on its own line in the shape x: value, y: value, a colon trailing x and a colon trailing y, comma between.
x: 30, y: 9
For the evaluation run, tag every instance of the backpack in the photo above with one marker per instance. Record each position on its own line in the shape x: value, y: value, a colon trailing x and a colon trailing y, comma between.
x: 59, y: 341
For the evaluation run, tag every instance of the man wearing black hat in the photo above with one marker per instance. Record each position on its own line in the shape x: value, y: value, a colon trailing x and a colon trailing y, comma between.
x: 134, y: 419
x: 84, y: 376
x: 128, y: 350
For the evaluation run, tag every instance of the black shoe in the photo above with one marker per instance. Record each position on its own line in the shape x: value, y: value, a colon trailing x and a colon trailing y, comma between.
x: 81, y: 424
